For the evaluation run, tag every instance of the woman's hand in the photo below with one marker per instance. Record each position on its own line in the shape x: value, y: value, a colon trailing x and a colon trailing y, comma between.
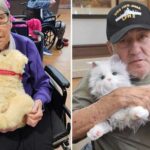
x: 35, y: 115
x: 31, y: 119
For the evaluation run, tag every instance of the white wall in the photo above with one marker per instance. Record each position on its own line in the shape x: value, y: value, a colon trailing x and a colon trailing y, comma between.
x: 89, y: 31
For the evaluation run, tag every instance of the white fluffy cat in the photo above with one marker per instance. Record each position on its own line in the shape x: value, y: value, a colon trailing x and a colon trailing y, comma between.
x: 106, y: 76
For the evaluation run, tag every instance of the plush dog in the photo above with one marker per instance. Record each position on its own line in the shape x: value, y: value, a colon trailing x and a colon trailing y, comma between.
x: 14, y: 102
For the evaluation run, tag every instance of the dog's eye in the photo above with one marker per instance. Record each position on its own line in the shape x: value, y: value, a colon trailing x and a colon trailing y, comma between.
x: 4, y: 54
x: 114, y: 73
x: 102, y: 77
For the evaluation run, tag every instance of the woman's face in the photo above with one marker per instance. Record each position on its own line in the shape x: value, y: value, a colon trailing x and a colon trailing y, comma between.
x: 134, y: 50
x: 5, y: 30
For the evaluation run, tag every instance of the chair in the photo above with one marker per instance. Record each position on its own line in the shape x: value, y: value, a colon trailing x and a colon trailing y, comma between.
x: 60, y: 114
x: 51, y: 27
x: 21, y: 27
x: 61, y: 127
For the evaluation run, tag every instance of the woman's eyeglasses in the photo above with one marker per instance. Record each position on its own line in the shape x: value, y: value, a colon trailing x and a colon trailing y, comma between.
x: 4, y: 18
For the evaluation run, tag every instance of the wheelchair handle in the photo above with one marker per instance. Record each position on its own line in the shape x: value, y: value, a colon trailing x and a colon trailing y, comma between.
x: 39, y: 33
x: 57, y: 76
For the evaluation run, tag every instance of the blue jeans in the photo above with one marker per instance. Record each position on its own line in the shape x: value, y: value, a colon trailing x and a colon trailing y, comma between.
x: 88, y: 146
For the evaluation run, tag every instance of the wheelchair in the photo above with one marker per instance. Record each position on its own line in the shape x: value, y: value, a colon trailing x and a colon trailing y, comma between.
x: 21, y: 27
x: 52, y: 28
x: 60, y: 126
x: 60, y: 114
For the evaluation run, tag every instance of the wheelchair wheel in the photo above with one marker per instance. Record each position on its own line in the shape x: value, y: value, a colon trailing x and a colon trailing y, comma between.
x: 59, y: 44
x: 49, y: 35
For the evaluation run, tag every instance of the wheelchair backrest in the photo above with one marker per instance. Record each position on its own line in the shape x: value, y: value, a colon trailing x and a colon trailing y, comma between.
x: 21, y: 27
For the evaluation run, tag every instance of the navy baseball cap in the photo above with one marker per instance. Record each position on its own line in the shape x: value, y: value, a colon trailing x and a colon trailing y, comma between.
x: 124, y: 17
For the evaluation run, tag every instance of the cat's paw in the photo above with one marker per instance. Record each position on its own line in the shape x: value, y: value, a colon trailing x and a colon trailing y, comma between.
x: 99, y: 130
x: 139, y: 112
x: 94, y: 134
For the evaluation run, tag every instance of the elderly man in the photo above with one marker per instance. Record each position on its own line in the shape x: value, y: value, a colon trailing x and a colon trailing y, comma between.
x: 37, y: 134
x: 128, y: 33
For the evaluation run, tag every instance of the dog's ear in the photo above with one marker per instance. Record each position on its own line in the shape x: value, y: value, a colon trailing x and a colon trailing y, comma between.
x: 20, y: 59
x: 24, y: 60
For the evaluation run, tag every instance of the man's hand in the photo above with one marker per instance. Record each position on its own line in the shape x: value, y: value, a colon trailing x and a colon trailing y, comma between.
x: 132, y: 96
x: 106, y: 106
x: 35, y: 115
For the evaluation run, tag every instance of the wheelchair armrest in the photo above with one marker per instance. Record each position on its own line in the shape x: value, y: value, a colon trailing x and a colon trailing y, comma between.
x: 39, y: 34
x: 24, y: 17
x: 59, y: 112
x: 57, y: 76
x: 60, y: 132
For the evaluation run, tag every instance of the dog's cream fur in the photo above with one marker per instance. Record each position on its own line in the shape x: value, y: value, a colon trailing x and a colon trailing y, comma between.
x: 14, y: 102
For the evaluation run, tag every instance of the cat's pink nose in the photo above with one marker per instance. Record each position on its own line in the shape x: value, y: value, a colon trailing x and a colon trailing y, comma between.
x: 109, y: 79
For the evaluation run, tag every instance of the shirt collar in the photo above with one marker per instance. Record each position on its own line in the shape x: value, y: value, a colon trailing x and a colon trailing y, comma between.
x: 12, y: 44
x: 144, y: 81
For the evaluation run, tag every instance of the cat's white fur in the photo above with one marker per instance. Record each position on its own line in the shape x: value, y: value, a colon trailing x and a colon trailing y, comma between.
x: 106, y: 76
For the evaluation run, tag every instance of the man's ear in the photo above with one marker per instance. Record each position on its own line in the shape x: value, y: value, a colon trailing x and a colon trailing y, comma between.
x: 110, y: 47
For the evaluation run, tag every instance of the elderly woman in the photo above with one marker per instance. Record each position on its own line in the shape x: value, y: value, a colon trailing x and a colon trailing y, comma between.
x: 36, y: 135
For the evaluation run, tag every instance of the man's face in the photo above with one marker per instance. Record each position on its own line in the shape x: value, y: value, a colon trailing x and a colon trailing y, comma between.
x: 134, y: 50
x: 4, y: 34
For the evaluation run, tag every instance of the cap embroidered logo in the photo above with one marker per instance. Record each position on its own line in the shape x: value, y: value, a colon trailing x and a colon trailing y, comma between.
x: 126, y: 16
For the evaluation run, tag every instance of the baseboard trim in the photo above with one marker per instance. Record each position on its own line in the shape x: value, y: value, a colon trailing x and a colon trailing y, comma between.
x: 81, y: 66
x: 90, y: 51
x: 82, y: 54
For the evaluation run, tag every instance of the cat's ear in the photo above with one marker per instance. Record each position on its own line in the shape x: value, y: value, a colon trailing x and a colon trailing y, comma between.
x: 93, y: 63
x: 115, y: 60
x: 115, y: 57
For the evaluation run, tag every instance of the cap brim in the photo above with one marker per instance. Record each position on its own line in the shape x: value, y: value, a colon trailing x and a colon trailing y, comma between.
x: 117, y: 36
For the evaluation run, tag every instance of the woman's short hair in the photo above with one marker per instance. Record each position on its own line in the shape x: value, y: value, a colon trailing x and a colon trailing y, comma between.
x: 4, y: 7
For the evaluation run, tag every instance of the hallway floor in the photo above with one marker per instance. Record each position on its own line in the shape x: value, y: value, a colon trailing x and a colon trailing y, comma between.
x: 62, y: 59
